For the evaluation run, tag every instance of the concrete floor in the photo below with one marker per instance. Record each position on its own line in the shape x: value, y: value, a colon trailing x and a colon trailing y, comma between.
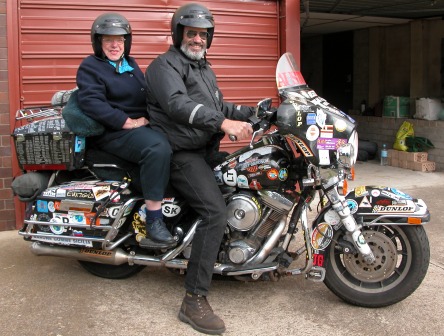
x: 53, y: 296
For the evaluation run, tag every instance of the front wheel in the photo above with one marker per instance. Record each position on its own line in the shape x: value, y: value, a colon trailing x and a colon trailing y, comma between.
x: 402, y: 258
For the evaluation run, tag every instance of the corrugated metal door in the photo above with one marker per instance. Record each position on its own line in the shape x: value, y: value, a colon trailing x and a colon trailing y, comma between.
x: 54, y: 36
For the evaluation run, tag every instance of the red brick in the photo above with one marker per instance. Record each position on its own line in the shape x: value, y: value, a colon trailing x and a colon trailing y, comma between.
x: 7, y: 182
x: 5, y: 173
x: 5, y: 140
x: 5, y: 151
x: 3, y: 73
x: 3, y: 85
x: 7, y: 162
x: 7, y: 224
x: 5, y: 194
x: 4, y: 129
x: 4, y: 118
x: 4, y: 108
x: 9, y: 204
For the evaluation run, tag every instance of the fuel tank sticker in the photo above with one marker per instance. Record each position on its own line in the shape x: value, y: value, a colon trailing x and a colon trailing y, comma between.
x: 272, y: 174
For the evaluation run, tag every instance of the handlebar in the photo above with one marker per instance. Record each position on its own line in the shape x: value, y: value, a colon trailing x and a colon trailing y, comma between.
x: 259, y: 124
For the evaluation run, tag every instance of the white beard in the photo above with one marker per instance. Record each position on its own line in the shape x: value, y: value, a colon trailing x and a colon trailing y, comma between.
x: 195, y: 56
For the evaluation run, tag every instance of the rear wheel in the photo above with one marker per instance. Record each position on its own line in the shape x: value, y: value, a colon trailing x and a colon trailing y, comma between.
x: 111, y: 271
x: 402, y: 258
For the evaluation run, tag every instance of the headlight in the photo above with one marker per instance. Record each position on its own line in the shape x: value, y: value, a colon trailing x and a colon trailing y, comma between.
x: 348, y: 153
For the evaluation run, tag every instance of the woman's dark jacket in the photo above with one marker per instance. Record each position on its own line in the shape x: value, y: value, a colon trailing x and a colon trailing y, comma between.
x: 110, y: 97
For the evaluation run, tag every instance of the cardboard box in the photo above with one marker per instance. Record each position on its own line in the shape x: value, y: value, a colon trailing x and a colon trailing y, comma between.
x: 427, y: 166
x: 396, y: 107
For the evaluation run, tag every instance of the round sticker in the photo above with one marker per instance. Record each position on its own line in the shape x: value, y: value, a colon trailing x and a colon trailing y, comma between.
x: 312, y: 133
x: 352, y: 205
x: 51, y: 206
x: 230, y: 177
x: 321, y: 236
x: 376, y: 193
x: 272, y: 174
x: 340, y: 125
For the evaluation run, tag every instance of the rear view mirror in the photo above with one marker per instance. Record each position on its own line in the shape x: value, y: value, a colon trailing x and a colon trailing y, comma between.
x: 262, y: 107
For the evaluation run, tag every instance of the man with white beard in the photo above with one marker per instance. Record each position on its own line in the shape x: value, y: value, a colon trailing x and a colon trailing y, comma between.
x: 186, y: 104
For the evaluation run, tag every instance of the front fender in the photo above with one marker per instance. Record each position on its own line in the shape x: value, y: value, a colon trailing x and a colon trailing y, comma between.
x: 375, y: 204
x: 370, y: 206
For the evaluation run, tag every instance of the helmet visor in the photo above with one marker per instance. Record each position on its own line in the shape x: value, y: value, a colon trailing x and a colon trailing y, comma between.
x: 113, y: 28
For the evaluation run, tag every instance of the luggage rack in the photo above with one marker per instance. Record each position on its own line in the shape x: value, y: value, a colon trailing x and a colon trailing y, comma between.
x: 33, y: 113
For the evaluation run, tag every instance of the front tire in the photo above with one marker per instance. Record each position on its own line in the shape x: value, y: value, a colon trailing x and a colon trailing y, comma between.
x: 111, y: 271
x: 402, y: 259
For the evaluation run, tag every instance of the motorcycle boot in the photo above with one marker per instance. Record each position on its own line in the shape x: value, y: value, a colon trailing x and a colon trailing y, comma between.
x: 196, y: 311
x: 158, y: 235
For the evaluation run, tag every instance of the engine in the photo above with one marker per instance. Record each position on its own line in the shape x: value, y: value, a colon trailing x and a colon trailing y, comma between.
x: 251, y: 217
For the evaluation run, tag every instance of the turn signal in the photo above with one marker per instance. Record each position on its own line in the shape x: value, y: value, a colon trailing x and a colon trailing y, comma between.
x: 414, y: 220
x: 344, y: 187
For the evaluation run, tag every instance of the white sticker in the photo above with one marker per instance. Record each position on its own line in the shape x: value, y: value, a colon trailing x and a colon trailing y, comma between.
x: 312, y: 133
x: 332, y: 217
x: 230, y: 178
x: 242, y: 181
x: 170, y: 210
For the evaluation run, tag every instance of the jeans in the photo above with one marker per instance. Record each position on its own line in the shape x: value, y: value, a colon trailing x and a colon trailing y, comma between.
x: 151, y: 151
x: 193, y: 178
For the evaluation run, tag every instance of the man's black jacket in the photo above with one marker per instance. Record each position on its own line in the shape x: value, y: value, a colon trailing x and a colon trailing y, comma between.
x: 185, y: 103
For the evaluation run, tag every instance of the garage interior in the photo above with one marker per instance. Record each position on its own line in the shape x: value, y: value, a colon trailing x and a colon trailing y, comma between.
x: 356, y: 53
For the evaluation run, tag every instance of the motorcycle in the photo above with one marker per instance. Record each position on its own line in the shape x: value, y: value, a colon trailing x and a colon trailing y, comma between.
x: 369, y: 247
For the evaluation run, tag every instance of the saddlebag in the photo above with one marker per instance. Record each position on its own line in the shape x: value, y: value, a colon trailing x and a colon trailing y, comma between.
x: 82, y: 213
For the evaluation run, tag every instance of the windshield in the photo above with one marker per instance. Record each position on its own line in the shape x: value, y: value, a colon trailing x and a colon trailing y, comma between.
x: 288, y: 74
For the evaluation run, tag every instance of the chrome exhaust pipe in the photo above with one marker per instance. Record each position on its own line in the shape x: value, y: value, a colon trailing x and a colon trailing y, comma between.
x: 115, y: 257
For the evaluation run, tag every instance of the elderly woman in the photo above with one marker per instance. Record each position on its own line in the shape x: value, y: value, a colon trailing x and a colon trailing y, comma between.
x: 112, y: 90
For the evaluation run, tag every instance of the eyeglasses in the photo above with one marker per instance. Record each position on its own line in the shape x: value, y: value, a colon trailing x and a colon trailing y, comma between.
x: 193, y: 33
x: 112, y: 40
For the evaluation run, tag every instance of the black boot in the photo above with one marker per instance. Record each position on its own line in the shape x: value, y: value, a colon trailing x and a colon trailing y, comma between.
x: 197, y: 312
x: 158, y: 234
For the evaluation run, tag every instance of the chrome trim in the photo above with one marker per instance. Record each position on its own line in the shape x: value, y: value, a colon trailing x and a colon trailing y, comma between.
x: 269, y: 244
x: 75, y: 225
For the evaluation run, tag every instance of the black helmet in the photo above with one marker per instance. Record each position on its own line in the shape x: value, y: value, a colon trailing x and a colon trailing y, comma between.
x: 191, y: 15
x: 110, y: 24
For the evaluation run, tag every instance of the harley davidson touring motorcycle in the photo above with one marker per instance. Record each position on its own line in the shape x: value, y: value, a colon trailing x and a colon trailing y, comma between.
x: 369, y: 247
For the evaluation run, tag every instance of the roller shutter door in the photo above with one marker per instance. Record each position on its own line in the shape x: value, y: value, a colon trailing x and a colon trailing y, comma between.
x: 54, y: 37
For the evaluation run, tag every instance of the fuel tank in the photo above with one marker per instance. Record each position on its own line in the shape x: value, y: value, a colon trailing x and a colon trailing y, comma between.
x: 263, y: 167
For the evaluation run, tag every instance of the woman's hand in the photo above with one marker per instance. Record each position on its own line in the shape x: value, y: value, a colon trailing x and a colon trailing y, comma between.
x: 134, y: 123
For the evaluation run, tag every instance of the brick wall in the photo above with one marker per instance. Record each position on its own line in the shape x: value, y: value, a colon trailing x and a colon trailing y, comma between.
x: 7, y: 213
x: 383, y: 130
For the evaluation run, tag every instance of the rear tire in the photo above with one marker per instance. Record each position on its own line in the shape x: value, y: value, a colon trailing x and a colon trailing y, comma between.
x: 402, y: 259
x: 111, y: 271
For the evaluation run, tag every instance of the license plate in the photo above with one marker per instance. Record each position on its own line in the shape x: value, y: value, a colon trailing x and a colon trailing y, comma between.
x: 64, y: 241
